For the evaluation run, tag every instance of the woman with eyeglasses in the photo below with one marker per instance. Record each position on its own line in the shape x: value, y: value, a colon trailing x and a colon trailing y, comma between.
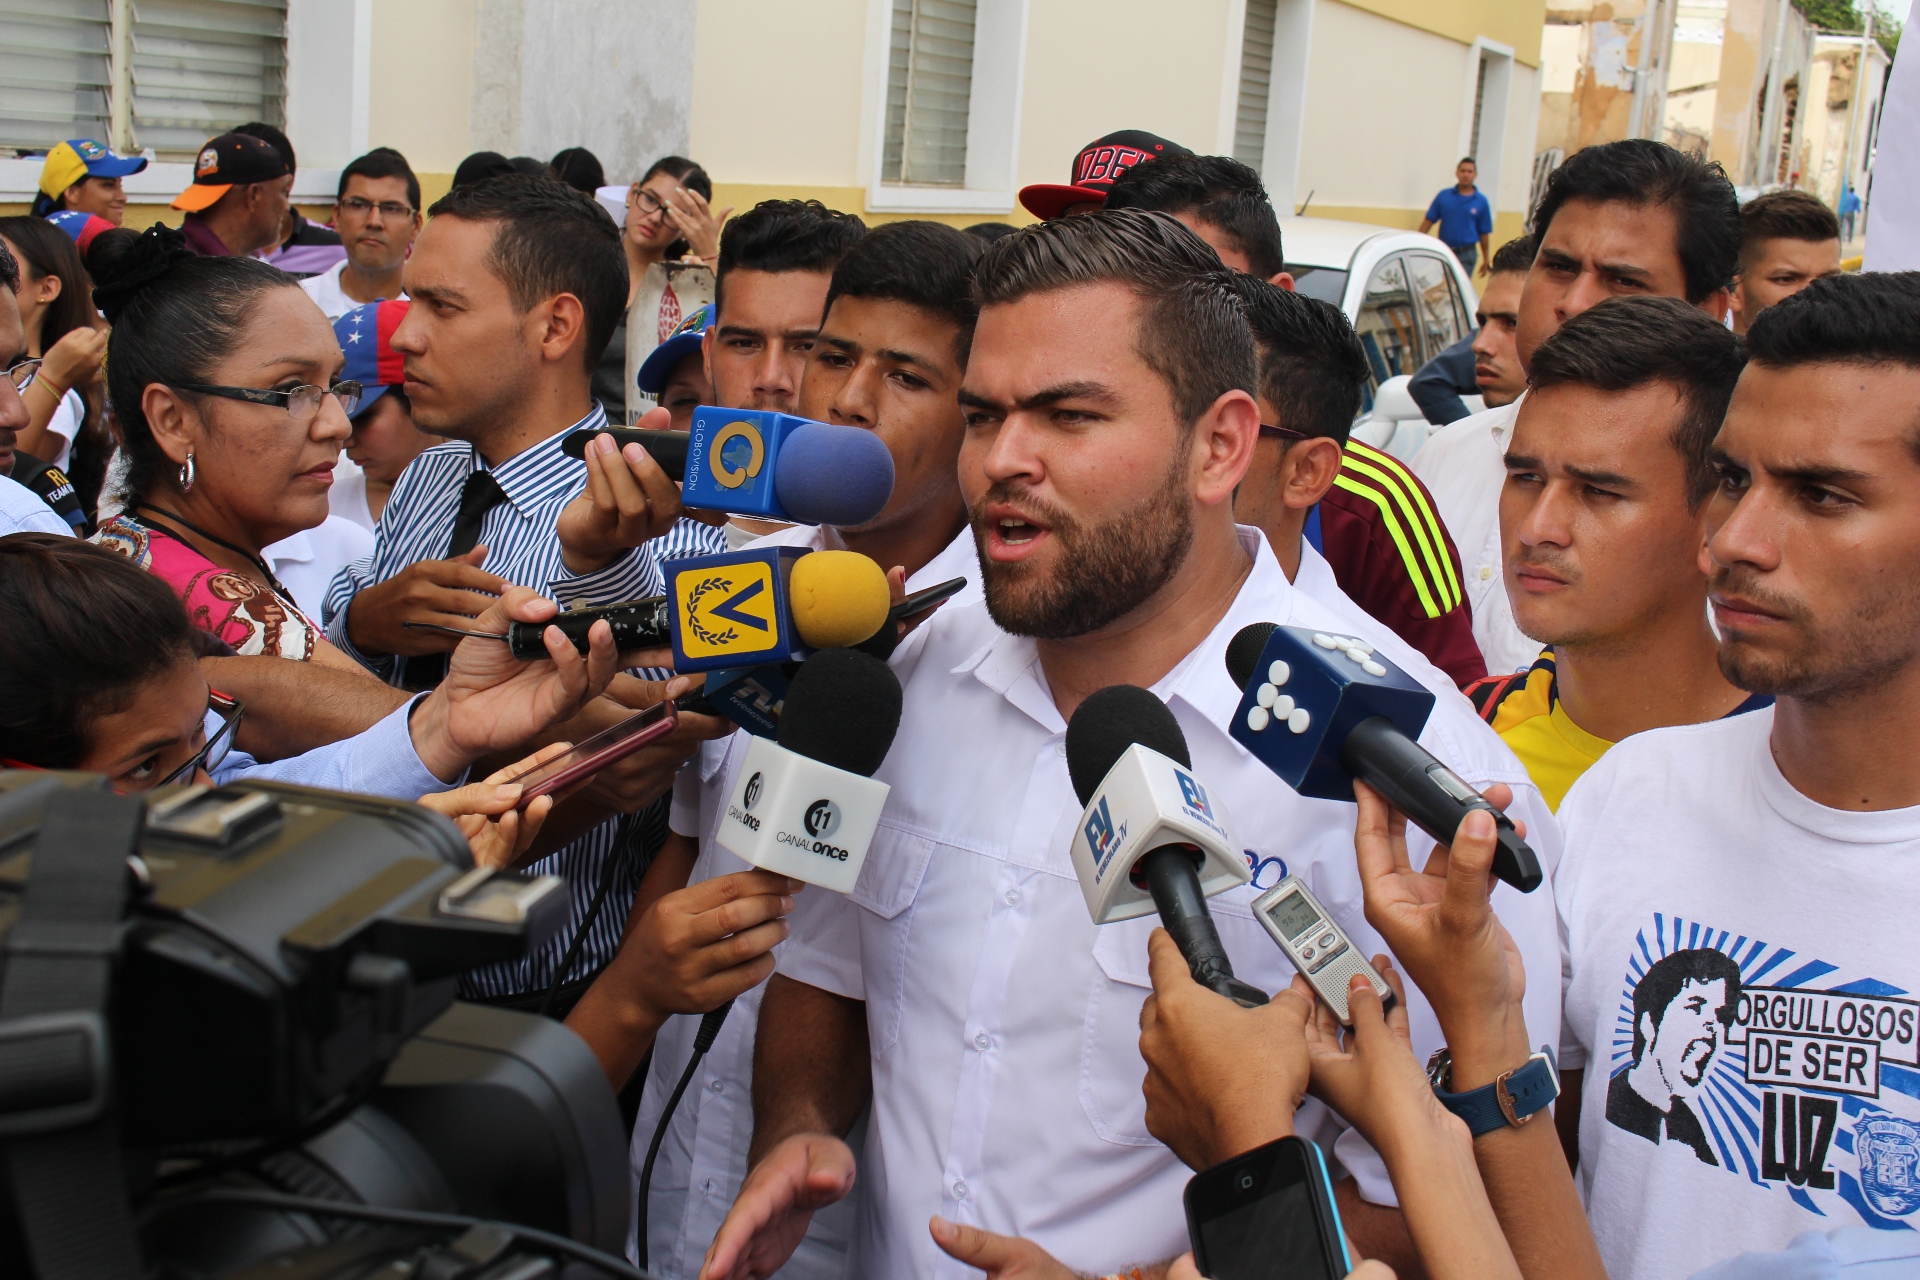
x: 101, y: 676
x: 224, y: 377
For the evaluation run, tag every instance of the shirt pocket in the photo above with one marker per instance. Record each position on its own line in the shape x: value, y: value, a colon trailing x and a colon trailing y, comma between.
x: 888, y: 882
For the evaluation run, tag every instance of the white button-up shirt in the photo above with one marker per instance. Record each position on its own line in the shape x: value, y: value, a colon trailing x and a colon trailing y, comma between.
x: 703, y: 1158
x: 1463, y: 465
x: 1004, y: 1026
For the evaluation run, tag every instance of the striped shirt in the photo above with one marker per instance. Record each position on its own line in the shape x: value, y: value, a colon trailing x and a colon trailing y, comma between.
x: 523, y: 547
x: 1379, y: 529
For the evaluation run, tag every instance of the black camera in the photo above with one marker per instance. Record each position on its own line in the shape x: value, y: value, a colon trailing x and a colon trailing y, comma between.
x: 229, y: 1042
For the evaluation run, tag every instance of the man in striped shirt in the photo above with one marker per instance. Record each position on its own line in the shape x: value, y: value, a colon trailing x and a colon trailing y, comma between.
x: 516, y: 285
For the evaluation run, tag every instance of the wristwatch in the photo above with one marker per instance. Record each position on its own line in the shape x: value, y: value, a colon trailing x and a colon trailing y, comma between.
x: 1509, y: 1101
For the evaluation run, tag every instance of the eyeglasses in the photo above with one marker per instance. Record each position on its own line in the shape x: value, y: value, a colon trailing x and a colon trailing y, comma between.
x: 360, y: 208
x: 214, y: 750
x: 649, y: 203
x: 1283, y: 433
x: 301, y: 403
x: 23, y: 372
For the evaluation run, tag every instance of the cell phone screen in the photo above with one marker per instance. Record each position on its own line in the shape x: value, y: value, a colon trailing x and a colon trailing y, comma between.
x: 1272, y: 1238
x: 597, y: 752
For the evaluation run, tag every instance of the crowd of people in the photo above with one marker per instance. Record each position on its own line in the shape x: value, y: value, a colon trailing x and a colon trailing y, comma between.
x: 1660, y: 589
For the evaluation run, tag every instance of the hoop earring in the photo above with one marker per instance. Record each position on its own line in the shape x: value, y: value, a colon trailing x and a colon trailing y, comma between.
x: 186, y: 474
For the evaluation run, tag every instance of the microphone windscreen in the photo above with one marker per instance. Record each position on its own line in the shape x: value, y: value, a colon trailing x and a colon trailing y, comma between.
x: 839, y: 598
x: 833, y: 475
x: 1244, y: 650
x: 842, y: 709
x: 1109, y: 722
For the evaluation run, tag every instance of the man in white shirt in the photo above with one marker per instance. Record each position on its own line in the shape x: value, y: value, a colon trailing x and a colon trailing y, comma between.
x: 961, y: 986
x: 377, y: 213
x: 890, y: 353
x: 1624, y: 219
x: 1741, y: 1044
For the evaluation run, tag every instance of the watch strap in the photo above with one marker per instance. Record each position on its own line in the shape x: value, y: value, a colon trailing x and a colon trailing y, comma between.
x: 1511, y: 1100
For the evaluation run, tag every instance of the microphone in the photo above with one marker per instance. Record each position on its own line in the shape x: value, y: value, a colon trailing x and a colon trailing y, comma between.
x: 1150, y: 836
x: 806, y: 805
x: 773, y: 466
x: 1321, y: 709
x: 770, y: 605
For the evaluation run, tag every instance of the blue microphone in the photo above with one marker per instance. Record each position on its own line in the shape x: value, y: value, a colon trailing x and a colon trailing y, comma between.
x: 772, y: 466
x: 1323, y: 708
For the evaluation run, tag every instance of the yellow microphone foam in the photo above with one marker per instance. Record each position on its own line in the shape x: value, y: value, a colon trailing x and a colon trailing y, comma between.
x: 839, y: 598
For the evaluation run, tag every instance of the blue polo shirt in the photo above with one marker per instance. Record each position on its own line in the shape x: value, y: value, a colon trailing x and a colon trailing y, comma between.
x: 1463, y: 219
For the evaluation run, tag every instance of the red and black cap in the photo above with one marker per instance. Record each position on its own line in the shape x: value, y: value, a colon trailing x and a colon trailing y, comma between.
x: 229, y: 160
x: 1095, y: 168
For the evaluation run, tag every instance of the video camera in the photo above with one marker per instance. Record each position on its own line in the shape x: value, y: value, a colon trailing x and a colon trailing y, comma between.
x: 229, y: 1043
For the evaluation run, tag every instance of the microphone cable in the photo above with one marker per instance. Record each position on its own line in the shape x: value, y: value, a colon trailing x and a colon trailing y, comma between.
x: 703, y: 1039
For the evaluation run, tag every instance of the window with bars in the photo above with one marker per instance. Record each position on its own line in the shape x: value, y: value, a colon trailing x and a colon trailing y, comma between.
x: 1256, y: 82
x: 166, y: 74
x: 929, y: 93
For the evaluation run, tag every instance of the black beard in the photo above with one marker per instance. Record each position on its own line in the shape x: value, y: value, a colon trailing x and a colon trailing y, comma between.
x: 1105, y: 571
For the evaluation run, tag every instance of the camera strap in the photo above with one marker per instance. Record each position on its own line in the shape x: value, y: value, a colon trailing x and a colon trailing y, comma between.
x: 57, y: 1133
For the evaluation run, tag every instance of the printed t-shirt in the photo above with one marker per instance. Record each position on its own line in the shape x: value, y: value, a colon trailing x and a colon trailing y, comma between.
x: 251, y: 618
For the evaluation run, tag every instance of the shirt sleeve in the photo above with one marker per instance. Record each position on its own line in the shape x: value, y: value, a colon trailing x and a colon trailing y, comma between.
x: 1484, y: 216
x: 381, y: 761
x: 823, y: 949
x: 1433, y: 210
x: 1441, y: 381
x: 349, y: 582
x: 633, y: 576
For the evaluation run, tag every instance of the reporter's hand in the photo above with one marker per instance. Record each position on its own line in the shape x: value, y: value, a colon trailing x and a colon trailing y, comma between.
x: 636, y: 781
x: 496, y: 830
x: 447, y: 593
x: 1369, y: 1075
x: 1001, y: 1257
x: 628, y: 500
x: 1221, y: 1079
x: 699, y: 947
x: 769, y: 1217
x: 1440, y: 927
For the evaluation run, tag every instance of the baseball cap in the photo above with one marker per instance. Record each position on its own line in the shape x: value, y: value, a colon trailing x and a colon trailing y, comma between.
x: 79, y: 158
x: 658, y: 367
x: 232, y: 159
x: 366, y: 339
x: 81, y: 225
x: 1095, y: 168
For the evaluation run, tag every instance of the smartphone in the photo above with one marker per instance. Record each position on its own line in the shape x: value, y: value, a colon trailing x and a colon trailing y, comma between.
x: 1267, y: 1215
x: 1319, y: 948
x: 599, y: 751
x: 921, y: 601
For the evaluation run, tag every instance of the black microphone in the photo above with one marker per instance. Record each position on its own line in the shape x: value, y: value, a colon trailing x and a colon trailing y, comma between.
x: 1320, y: 709
x: 1127, y: 758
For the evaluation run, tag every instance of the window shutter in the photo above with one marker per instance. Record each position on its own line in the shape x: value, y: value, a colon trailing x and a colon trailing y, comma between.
x: 200, y: 67
x: 53, y: 71
x: 1256, y: 78
x: 929, y: 92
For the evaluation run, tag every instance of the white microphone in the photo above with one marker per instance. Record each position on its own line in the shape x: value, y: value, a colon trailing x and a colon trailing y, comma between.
x: 1151, y: 836
x: 806, y: 805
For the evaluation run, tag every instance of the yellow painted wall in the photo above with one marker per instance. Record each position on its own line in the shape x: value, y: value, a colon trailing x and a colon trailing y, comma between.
x: 422, y: 83
x: 1515, y: 23
x: 777, y: 91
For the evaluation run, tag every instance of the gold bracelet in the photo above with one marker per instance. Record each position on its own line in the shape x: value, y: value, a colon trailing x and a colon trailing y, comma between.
x: 42, y: 380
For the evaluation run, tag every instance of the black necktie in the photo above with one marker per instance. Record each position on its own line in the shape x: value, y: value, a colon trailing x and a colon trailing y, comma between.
x: 481, y: 494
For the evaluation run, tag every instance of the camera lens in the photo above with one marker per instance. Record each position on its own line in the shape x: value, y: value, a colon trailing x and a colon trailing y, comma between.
x: 1246, y: 1182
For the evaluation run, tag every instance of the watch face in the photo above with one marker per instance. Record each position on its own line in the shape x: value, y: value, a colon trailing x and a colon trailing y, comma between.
x: 1440, y: 1069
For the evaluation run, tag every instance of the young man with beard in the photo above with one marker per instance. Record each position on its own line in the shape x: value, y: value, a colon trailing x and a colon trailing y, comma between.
x: 1623, y: 219
x: 891, y: 351
x: 1770, y: 1087
x: 1485, y: 363
x: 1788, y: 239
x: 1604, y: 515
x: 961, y: 987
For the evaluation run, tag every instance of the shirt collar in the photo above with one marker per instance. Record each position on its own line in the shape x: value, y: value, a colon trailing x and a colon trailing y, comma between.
x: 1010, y: 664
x: 1502, y: 425
x: 535, y: 475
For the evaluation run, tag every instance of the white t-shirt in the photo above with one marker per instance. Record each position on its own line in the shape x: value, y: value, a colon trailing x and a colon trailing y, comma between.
x: 348, y: 496
x: 1463, y: 466
x: 1740, y: 974
x: 306, y: 562
x: 21, y: 511
x: 65, y: 423
x: 325, y: 290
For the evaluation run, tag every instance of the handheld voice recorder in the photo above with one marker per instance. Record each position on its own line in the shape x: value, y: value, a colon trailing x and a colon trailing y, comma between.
x: 1319, y: 948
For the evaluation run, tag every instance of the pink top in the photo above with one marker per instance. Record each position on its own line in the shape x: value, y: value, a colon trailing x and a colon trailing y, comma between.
x: 251, y: 618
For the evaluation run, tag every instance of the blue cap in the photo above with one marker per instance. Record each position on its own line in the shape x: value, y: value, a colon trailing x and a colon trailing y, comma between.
x: 366, y: 339
x: 658, y: 367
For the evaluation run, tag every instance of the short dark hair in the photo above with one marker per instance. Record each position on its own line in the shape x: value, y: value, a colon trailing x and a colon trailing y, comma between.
x: 273, y: 137
x: 83, y: 629
x: 1625, y: 343
x: 580, y: 169
x: 1466, y: 160
x: 928, y: 265
x: 785, y: 235
x: 1313, y: 369
x: 1218, y: 190
x: 1515, y: 255
x: 551, y: 240
x: 990, y: 231
x: 1670, y: 974
x: 381, y: 162
x: 1640, y: 171
x: 1191, y: 331
x: 1867, y: 317
x: 9, y: 271
x: 1783, y: 215
x: 479, y: 167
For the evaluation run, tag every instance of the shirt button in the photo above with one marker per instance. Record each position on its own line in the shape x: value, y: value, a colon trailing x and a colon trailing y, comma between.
x: 1060, y: 747
x: 1486, y: 571
x: 959, y: 1191
x: 982, y: 1041
x: 1013, y: 897
x: 708, y: 1186
x: 717, y: 1087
